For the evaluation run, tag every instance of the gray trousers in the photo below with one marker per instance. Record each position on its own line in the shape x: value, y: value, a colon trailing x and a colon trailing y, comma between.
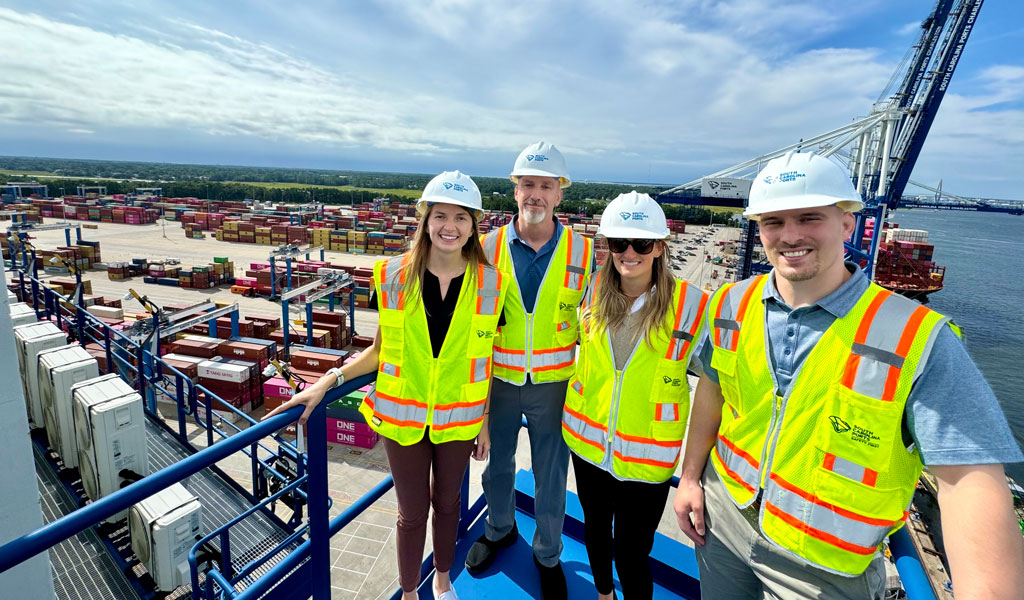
x: 738, y: 563
x: 542, y: 405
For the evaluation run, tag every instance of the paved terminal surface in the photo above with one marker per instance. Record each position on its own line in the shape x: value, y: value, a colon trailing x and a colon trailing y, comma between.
x: 362, y: 554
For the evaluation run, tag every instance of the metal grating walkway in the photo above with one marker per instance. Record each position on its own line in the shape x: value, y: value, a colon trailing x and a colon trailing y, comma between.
x: 84, y: 570
x: 251, y: 538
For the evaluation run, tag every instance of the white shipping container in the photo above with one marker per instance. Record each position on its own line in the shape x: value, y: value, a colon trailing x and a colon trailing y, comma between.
x: 223, y: 371
x: 906, y: 235
x: 202, y: 338
x: 107, y: 312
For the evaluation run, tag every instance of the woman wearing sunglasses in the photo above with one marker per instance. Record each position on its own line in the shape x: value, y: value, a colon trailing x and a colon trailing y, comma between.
x: 626, y: 409
x: 440, y: 306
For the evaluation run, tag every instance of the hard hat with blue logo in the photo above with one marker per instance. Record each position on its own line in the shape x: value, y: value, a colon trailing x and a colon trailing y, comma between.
x: 543, y: 160
x: 801, y: 180
x: 633, y: 216
x: 451, y: 187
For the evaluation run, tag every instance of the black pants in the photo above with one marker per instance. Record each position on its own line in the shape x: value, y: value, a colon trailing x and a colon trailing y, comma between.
x: 635, y: 508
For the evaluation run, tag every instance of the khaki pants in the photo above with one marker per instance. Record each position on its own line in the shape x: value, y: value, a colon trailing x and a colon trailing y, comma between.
x: 738, y: 563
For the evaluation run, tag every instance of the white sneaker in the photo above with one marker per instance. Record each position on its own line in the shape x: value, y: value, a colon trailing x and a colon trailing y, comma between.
x: 449, y: 595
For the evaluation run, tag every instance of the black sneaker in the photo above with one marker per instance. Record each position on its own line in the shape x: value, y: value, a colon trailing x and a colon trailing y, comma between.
x: 484, y: 551
x: 552, y: 581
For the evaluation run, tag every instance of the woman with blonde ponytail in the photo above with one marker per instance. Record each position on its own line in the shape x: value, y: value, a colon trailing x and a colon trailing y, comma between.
x: 626, y: 409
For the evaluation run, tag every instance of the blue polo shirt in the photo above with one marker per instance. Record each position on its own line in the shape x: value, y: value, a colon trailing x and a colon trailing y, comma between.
x: 531, y: 265
x: 952, y: 414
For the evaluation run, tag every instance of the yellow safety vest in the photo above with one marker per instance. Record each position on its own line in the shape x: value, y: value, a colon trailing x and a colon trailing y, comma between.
x: 643, y: 409
x: 829, y: 456
x: 414, y: 390
x: 541, y: 344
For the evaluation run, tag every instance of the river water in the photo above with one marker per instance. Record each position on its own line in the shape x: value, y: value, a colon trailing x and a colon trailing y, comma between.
x: 984, y: 293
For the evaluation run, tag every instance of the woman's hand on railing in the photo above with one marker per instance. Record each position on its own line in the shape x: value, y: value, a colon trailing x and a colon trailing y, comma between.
x: 309, y: 397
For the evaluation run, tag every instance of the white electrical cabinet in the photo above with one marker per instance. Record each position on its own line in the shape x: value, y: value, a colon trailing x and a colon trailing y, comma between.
x: 22, y: 314
x: 30, y: 340
x: 111, y: 432
x: 163, y: 528
x: 59, y: 369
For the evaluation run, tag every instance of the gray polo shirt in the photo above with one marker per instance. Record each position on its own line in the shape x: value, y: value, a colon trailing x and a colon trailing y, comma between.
x: 952, y: 414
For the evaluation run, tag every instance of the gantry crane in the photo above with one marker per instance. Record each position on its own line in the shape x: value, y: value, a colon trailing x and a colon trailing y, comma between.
x: 881, y: 149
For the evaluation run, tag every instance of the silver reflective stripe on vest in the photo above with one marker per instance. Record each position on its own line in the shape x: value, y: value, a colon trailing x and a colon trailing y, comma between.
x: 478, y: 369
x: 490, y: 245
x: 738, y: 466
x: 509, y: 360
x: 847, y: 468
x: 392, y: 287
x: 726, y: 323
x: 667, y: 412
x: 686, y: 318
x: 407, y: 413
x: 551, y: 360
x: 390, y: 369
x: 460, y: 415
x: 488, y: 292
x: 585, y: 430
x: 878, y: 352
x: 664, y: 455
x: 849, y: 531
x: 575, y: 267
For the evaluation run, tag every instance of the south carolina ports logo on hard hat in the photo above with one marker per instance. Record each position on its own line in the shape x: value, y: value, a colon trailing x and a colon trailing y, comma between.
x: 458, y: 187
x: 634, y: 216
x: 536, y: 157
x: 784, y: 177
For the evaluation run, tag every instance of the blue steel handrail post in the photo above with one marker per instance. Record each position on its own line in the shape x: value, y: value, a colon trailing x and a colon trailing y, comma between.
x: 106, y: 349
x: 79, y: 321
x: 316, y: 502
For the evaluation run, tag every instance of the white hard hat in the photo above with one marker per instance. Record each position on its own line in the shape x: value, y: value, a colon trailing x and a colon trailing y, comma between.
x: 633, y: 216
x: 801, y: 180
x: 544, y: 160
x: 452, y: 187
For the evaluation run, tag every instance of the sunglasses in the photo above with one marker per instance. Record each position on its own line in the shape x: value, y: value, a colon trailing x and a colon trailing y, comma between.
x: 619, y: 245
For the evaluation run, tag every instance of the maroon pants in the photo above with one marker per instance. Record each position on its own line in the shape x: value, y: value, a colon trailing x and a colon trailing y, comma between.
x: 411, y: 467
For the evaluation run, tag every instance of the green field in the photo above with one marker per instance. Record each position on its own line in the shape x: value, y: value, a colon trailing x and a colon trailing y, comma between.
x: 282, y: 185
x: 27, y: 173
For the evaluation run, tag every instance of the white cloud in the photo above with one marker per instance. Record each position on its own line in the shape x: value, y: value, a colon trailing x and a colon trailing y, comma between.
x: 909, y: 28
x: 692, y: 85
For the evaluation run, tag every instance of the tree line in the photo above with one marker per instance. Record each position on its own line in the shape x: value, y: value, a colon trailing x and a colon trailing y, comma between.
x: 211, y: 182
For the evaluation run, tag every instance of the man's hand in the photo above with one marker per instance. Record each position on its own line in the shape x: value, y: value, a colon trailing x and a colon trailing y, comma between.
x: 689, y: 508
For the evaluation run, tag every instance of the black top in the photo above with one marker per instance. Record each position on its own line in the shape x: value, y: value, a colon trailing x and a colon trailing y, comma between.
x: 439, y: 311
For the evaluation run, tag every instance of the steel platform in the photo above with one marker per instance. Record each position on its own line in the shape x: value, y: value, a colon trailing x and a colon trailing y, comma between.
x: 513, y: 574
x: 85, y: 568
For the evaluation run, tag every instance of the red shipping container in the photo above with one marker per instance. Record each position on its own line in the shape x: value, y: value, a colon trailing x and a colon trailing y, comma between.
x: 245, y: 351
x: 195, y: 348
x: 314, y: 361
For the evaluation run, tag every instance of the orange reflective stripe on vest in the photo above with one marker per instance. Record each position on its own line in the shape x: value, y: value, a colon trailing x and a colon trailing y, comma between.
x: 825, y: 521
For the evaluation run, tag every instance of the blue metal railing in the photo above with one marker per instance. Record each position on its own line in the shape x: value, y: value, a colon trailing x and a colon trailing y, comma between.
x: 27, y: 546
x: 305, y: 570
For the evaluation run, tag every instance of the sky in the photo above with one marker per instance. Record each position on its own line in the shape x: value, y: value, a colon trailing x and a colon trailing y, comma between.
x: 641, y: 91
